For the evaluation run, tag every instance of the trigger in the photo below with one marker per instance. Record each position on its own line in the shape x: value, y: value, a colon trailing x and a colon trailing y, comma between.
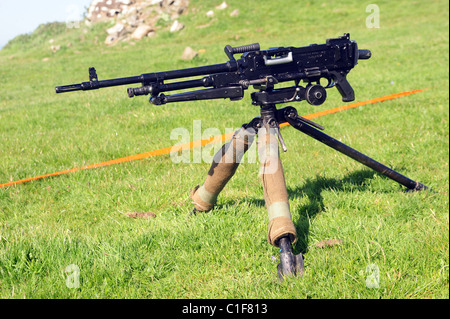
x: 331, y: 83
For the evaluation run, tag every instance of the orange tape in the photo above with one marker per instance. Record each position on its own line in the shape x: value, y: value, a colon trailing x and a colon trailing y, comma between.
x: 214, y: 139
x: 357, y: 104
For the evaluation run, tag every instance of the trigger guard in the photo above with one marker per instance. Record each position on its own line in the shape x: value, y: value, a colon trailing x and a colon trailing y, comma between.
x: 331, y: 83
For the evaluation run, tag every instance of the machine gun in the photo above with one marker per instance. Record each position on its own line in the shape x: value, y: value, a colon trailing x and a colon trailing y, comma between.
x: 262, y: 69
x: 259, y: 68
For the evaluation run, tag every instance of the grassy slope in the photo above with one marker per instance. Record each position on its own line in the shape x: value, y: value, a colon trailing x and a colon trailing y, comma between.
x: 80, y: 218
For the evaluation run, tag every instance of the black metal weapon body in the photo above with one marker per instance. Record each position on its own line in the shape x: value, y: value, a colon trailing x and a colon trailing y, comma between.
x: 264, y: 69
x: 332, y: 60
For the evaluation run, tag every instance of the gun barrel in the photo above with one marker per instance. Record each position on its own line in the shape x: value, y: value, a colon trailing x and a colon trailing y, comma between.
x: 92, y: 85
x: 148, y: 78
x: 68, y: 88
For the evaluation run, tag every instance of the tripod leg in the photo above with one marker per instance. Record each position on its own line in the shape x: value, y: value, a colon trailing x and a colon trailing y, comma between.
x: 223, y: 167
x: 290, y: 264
x: 281, y: 232
x: 274, y: 186
x: 350, y: 152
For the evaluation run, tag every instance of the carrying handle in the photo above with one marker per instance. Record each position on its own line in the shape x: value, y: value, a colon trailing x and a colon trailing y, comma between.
x: 229, y: 50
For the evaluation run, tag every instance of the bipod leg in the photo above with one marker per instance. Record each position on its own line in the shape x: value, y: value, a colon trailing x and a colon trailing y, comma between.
x: 292, y: 118
x: 223, y: 167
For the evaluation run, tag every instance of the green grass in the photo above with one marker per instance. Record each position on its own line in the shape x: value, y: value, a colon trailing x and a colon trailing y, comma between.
x: 80, y: 218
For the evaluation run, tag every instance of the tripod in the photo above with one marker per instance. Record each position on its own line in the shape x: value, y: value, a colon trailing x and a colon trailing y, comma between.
x: 281, y: 230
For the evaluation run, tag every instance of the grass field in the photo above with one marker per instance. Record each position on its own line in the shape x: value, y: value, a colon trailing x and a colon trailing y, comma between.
x: 80, y: 219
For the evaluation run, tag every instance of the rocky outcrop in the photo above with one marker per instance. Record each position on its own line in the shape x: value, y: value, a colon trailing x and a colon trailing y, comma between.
x: 136, y: 19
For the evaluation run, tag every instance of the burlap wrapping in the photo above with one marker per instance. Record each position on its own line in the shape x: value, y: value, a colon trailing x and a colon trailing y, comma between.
x: 280, y: 227
x: 223, y: 167
x: 275, y: 193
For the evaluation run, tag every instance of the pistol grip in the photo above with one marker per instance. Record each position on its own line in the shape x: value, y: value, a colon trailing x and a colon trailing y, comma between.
x: 344, y: 88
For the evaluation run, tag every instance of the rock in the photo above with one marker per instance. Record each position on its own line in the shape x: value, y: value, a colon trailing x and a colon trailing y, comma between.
x: 234, y: 13
x: 103, y: 10
x: 222, y: 6
x: 119, y: 27
x: 111, y: 39
x: 176, y: 26
x: 55, y: 48
x: 189, y: 54
x: 141, y: 32
x: 210, y: 14
x: 132, y: 21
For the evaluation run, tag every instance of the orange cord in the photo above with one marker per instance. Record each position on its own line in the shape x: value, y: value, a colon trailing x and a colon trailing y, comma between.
x: 214, y: 139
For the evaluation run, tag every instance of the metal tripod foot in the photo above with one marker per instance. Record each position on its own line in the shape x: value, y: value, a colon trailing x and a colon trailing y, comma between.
x: 290, y: 264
